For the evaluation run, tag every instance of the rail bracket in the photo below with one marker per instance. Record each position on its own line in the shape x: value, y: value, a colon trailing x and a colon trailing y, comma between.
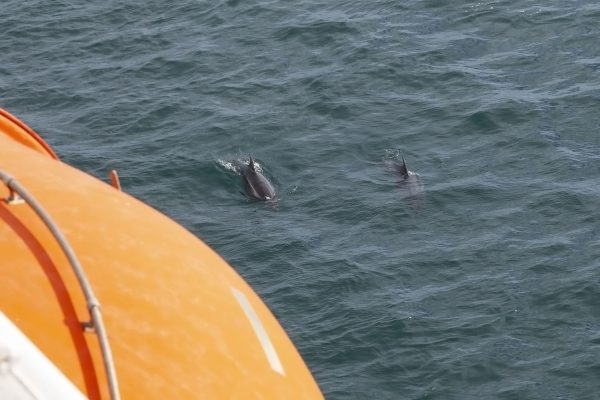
x: 88, y: 327
x: 14, y: 198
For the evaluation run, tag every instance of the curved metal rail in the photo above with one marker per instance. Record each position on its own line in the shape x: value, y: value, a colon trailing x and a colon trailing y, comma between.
x: 96, y: 323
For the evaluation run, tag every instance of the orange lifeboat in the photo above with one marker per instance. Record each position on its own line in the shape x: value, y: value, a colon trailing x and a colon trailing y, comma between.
x: 119, y: 300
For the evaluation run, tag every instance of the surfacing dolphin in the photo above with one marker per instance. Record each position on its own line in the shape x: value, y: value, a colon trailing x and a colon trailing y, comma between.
x: 411, y: 185
x: 257, y: 186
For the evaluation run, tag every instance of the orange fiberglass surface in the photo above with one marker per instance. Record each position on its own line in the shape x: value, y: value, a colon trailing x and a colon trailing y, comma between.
x: 181, y: 323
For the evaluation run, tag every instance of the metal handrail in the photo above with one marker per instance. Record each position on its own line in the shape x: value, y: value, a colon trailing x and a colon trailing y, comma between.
x: 96, y: 323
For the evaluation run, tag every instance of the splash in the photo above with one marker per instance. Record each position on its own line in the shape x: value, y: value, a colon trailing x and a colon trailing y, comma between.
x: 236, y: 163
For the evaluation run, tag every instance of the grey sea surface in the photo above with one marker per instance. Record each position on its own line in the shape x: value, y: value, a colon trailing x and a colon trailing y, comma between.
x: 489, y: 289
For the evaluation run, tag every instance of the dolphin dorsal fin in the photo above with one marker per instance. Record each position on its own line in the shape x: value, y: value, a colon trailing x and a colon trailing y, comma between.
x: 251, y: 164
x: 403, y: 170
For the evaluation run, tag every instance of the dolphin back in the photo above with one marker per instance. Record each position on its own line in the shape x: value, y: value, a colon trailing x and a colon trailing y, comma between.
x: 256, y: 184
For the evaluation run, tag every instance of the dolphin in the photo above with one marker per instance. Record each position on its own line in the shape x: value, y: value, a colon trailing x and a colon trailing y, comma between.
x: 411, y: 185
x: 257, y: 186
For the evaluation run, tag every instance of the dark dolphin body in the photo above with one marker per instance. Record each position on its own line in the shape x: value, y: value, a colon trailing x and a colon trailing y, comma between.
x: 411, y: 185
x: 257, y: 186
